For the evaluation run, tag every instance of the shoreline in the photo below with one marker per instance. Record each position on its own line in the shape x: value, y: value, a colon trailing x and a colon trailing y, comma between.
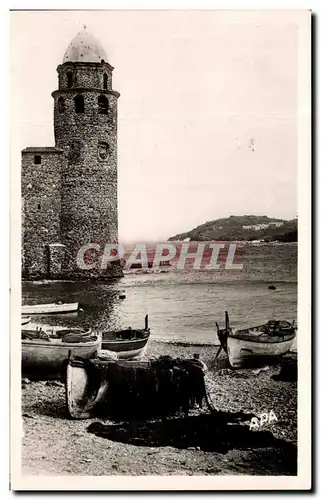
x: 187, y: 343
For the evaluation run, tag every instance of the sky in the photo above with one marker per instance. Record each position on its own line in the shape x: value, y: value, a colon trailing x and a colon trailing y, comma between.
x: 207, y: 117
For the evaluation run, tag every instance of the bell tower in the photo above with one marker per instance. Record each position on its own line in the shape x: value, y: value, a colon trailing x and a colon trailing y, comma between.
x: 85, y: 128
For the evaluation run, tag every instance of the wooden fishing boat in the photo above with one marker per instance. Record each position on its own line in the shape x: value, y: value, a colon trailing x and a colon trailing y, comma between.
x: 130, y: 389
x: 25, y: 320
x: 256, y: 344
x: 55, y: 308
x: 45, y: 356
x: 128, y: 343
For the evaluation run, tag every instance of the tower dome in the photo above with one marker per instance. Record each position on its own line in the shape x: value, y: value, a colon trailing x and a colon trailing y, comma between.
x: 84, y: 47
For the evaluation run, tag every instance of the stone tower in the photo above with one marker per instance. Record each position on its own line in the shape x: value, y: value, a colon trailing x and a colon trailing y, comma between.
x: 79, y: 174
x: 85, y: 127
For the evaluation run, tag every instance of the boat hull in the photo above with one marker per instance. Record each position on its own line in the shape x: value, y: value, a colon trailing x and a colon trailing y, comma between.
x: 84, y: 393
x: 49, y: 308
x: 41, y: 359
x: 25, y: 320
x: 125, y: 349
x: 80, y: 394
x: 244, y: 351
x: 127, y: 344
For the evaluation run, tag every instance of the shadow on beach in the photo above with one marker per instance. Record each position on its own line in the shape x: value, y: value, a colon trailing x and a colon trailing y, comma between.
x: 210, y: 433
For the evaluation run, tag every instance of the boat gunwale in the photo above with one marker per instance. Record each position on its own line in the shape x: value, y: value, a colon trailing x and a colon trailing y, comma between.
x: 46, y: 343
x: 123, y: 341
x: 258, y: 340
x: 133, y: 330
x: 49, y: 308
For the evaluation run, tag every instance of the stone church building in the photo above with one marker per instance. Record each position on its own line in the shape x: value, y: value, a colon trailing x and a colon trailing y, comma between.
x: 69, y: 192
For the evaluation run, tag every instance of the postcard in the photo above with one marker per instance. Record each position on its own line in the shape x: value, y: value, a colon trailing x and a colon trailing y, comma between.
x: 160, y: 250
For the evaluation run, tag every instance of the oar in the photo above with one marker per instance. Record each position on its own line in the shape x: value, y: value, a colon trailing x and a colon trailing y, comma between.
x: 220, y: 348
x: 227, y: 323
x: 217, y: 354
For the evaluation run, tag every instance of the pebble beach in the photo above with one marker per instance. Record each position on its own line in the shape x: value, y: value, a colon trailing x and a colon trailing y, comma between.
x: 200, y: 444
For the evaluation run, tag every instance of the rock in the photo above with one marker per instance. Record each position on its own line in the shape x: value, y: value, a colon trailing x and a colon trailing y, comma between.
x: 25, y: 381
x: 259, y: 370
x: 95, y: 427
x: 288, y: 372
x: 233, y: 373
x: 55, y: 383
x: 78, y: 434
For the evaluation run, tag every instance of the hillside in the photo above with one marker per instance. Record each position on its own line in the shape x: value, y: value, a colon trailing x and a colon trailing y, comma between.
x: 243, y: 228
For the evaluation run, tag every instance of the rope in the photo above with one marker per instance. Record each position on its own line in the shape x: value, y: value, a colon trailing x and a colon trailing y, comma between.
x: 209, y: 401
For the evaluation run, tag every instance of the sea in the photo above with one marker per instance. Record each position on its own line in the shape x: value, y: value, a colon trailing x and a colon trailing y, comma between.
x: 182, y: 305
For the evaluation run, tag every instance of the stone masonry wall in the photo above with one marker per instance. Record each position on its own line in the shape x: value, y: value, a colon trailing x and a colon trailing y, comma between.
x: 85, y: 75
x: 41, y: 187
x: 89, y: 172
x: 56, y: 255
x: 70, y: 198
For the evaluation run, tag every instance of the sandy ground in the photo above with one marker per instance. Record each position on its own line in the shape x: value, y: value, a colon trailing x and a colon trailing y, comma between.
x: 197, y: 445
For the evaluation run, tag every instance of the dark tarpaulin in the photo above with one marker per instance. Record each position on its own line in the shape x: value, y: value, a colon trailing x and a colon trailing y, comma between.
x: 160, y: 388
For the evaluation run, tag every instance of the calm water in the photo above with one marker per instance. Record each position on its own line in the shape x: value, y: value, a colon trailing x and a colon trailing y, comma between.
x: 182, y: 305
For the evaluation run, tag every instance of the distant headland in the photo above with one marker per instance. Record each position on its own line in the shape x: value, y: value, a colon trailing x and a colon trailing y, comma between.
x: 243, y: 228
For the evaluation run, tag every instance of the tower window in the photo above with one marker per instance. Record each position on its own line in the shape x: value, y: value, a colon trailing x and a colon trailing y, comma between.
x: 74, y: 151
x: 102, y: 105
x: 105, y: 81
x: 37, y: 159
x: 61, y: 105
x: 39, y: 206
x: 69, y: 79
x: 79, y: 104
x: 103, y: 150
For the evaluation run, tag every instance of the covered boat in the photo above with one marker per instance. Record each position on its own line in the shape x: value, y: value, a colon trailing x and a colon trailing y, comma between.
x: 256, y: 344
x: 55, y: 308
x: 128, y: 343
x: 133, y: 389
x: 44, y: 355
